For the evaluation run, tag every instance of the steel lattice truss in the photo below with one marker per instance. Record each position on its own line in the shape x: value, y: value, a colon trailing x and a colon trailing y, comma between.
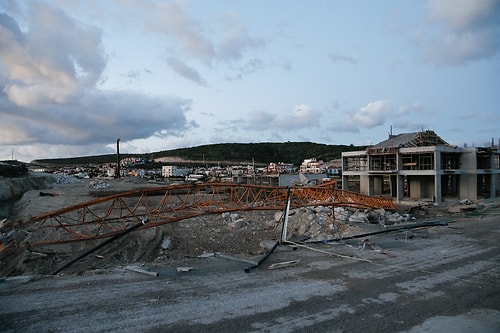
x: 108, y: 216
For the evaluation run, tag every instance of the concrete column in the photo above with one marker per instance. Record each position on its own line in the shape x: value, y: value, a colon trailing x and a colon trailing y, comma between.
x: 345, y: 183
x: 437, y: 176
x: 493, y: 178
x: 400, y: 187
x: 371, y: 186
x: 364, y: 184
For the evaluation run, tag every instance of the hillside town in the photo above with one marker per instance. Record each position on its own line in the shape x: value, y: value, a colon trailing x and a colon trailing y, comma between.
x: 407, y: 166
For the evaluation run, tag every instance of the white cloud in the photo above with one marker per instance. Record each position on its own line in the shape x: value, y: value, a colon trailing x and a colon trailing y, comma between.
x: 173, y: 18
x: 462, y: 14
x: 235, y: 39
x: 461, y: 31
x: 187, y: 72
x: 302, y: 116
x: 407, y: 109
x: 188, y: 39
x: 51, y: 60
x: 373, y: 114
x: 49, y: 95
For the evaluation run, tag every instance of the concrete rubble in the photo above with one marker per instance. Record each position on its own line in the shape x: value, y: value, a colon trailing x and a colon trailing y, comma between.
x: 98, y: 184
x: 66, y: 179
x: 320, y: 223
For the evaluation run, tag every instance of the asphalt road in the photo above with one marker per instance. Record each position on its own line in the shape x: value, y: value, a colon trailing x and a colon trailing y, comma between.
x: 438, y: 279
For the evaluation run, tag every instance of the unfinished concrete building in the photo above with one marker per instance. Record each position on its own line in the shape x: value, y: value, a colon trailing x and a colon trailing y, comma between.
x: 422, y: 166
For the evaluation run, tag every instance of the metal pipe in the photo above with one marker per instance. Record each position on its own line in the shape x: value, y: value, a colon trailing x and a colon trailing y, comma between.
x: 123, y: 233
x: 285, y: 220
x: 268, y: 253
x: 142, y: 271
x: 384, y: 231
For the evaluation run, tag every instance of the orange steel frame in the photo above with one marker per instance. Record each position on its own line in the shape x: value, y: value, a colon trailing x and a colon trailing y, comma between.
x: 108, y: 216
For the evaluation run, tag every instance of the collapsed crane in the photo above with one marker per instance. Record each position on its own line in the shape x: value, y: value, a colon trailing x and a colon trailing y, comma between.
x: 109, y: 216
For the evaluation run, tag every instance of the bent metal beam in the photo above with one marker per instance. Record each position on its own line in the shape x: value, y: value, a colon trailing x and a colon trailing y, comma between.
x: 109, y: 216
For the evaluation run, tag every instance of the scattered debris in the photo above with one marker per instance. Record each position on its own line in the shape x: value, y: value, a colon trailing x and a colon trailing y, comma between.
x: 375, y: 247
x: 109, y: 240
x: 284, y: 264
x: 39, y: 254
x: 98, y: 184
x: 465, y: 202
x: 267, y: 244
x: 229, y: 234
x: 225, y: 256
x: 45, y: 194
x: 184, y: 269
x: 143, y: 271
x: 61, y: 178
x: 264, y: 258
x: 327, y: 252
x: 166, y: 242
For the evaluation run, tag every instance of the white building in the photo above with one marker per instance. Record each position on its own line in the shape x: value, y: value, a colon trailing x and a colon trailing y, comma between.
x: 311, y: 165
x: 280, y: 168
x: 174, y: 171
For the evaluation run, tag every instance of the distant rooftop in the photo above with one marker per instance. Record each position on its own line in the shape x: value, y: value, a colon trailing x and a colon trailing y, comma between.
x: 415, y: 139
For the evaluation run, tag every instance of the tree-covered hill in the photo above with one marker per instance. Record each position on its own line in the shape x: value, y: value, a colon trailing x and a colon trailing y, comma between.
x: 228, y: 153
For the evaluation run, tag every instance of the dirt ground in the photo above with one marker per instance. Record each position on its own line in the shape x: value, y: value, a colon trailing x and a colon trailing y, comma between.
x: 176, y: 241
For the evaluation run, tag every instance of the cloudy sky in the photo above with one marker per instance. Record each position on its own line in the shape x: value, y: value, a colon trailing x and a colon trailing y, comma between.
x: 159, y: 75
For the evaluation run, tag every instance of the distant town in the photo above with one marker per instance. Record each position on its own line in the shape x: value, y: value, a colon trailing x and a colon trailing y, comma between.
x: 274, y: 174
x: 407, y: 166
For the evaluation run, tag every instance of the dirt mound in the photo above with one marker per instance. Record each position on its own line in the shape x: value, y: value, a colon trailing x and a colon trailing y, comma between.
x: 13, y: 188
x: 13, y: 169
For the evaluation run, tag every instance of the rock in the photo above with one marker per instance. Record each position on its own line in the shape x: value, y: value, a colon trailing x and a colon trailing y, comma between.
x: 358, y: 217
x: 394, y: 218
x: 278, y: 216
x: 238, y: 224
x: 303, y: 229
x: 66, y: 179
x: 373, y: 216
x: 166, y: 242
x: 98, y: 184
x: 341, y: 214
x: 323, y: 210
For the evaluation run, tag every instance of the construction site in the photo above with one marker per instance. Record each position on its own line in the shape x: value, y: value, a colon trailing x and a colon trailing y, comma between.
x: 124, y: 255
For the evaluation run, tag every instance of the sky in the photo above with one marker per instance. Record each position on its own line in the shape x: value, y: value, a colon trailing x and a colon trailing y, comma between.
x: 160, y: 75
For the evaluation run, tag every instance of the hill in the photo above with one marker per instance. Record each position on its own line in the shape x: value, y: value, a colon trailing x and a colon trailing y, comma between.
x: 227, y: 153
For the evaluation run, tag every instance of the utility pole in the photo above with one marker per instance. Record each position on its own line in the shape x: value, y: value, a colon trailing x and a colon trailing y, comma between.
x: 117, y: 173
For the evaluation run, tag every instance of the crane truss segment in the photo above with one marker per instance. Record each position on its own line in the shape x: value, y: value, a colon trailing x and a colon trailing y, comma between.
x: 107, y: 216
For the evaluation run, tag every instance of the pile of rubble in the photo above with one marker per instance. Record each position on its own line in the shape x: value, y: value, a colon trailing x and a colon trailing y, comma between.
x: 373, y: 216
x: 98, y: 184
x: 320, y: 223
x: 66, y: 179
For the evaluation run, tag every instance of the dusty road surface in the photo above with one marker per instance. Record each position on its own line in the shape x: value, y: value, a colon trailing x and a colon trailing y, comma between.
x: 437, y: 279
